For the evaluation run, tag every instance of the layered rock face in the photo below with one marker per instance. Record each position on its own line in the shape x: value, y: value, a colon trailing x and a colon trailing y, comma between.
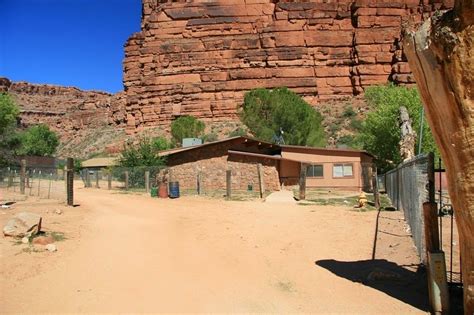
x: 199, y: 58
x: 65, y: 109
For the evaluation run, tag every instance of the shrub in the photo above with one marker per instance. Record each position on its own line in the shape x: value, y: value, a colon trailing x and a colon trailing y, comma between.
x: 186, y: 127
x: 210, y: 137
x: 238, y: 132
x: 348, y: 112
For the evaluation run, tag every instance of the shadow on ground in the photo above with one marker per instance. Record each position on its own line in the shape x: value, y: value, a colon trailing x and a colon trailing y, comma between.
x: 388, y: 277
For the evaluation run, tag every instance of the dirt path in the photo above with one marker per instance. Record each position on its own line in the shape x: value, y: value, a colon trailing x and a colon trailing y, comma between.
x: 138, y: 254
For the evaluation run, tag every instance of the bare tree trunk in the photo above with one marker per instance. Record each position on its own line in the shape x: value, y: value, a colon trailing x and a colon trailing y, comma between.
x: 441, y: 56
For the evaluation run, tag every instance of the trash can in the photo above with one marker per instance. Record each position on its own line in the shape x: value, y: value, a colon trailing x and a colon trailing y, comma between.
x: 174, y: 190
x: 154, y: 192
x: 163, y: 190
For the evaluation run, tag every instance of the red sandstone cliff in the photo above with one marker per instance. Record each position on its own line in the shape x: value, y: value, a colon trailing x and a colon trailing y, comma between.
x: 71, y: 112
x: 200, y: 57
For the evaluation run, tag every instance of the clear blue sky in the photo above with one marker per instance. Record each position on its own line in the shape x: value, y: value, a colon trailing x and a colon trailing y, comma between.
x: 67, y: 42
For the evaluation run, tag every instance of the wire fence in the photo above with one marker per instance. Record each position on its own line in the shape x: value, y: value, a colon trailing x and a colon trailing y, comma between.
x: 407, y: 186
x: 41, y: 182
x: 232, y: 181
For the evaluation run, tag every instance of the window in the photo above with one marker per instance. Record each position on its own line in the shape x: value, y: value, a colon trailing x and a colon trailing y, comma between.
x: 314, y: 171
x: 342, y: 170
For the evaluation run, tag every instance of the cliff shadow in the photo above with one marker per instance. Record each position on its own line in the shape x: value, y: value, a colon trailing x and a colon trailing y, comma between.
x: 392, y: 279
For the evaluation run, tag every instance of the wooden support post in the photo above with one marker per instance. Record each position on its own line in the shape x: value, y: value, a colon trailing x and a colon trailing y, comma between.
x: 302, y: 195
x: 23, y: 176
x: 431, y: 178
x: 437, y: 280
x: 398, y: 187
x: 10, y: 179
x: 430, y: 217
x: 228, y: 176
x: 70, y: 181
x: 147, y: 181
x: 39, y: 183
x: 199, y: 183
x: 126, y: 180
x: 375, y: 188
x: 261, y: 185
x: 97, y: 179
x: 88, y: 179
x: 50, y: 183
x: 109, y: 181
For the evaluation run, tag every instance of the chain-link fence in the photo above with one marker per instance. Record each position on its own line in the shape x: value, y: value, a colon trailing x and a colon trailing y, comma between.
x: 407, y: 186
x: 41, y: 182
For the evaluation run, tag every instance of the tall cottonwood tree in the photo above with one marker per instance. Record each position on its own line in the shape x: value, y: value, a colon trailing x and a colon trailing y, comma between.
x: 441, y: 56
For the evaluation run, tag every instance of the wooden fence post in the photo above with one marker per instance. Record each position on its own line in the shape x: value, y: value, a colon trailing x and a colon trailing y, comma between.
x: 23, y: 176
x: 375, y: 188
x: 228, y: 174
x: 199, y: 183
x: 126, y: 180
x: 39, y: 183
x: 302, y: 192
x: 70, y: 181
x: 88, y: 178
x: 147, y: 181
x: 261, y: 184
x: 109, y: 181
x: 50, y: 183
x: 97, y: 179
x: 437, y: 279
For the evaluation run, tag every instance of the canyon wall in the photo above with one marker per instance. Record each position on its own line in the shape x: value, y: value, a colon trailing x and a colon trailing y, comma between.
x: 65, y: 109
x: 86, y: 121
x: 200, y: 57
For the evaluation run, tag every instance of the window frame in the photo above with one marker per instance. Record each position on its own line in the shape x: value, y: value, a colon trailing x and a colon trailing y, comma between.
x: 312, y: 165
x: 343, y: 176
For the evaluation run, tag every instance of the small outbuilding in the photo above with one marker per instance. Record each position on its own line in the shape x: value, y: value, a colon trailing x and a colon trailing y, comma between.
x: 249, y: 159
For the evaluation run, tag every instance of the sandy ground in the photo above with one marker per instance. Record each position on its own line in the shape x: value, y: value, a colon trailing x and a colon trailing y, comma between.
x: 132, y: 253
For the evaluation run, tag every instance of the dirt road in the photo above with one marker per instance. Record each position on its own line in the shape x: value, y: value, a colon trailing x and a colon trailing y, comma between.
x: 132, y: 253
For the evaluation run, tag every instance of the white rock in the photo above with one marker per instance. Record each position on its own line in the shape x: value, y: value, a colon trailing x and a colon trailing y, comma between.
x: 25, y: 240
x: 58, y: 211
x: 23, y: 224
x: 51, y: 247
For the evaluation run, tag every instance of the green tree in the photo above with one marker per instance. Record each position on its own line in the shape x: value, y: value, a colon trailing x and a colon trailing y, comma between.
x: 380, y: 133
x: 186, y: 127
x: 139, y: 157
x: 143, y: 153
x: 9, y: 139
x: 9, y: 112
x: 266, y: 111
x: 38, y: 140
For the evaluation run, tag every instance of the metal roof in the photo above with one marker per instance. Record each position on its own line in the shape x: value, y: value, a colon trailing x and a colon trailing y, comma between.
x: 100, y: 162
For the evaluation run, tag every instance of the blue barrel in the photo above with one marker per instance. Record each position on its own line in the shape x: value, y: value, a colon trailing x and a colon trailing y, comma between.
x: 174, y: 189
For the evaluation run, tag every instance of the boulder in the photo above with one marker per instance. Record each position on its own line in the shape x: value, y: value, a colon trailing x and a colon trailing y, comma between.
x: 23, y: 224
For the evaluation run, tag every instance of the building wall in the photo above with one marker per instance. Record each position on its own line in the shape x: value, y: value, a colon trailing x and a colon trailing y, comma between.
x: 212, y: 162
x: 291, y: 170
x: 245, y: 172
